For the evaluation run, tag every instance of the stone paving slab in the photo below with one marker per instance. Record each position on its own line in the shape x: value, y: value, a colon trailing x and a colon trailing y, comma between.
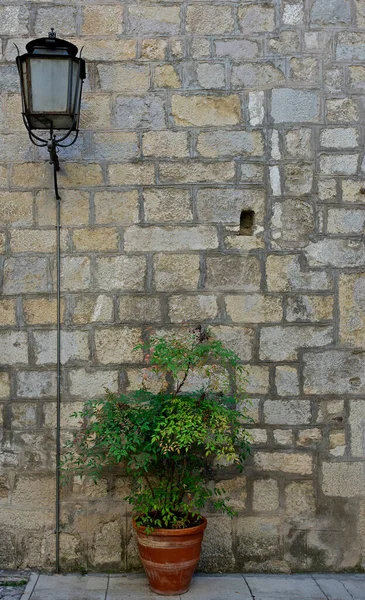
x: 203, y: 587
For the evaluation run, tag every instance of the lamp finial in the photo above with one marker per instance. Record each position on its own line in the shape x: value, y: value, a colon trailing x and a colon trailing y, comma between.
x: 52, y: 34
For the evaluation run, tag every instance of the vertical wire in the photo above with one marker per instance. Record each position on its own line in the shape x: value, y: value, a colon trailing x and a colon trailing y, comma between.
x: 58, y: 419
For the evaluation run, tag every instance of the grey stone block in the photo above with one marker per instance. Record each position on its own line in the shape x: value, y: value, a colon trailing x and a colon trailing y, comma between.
x: 143, y: 112
x: 294, y: 106
x: 331, y: 12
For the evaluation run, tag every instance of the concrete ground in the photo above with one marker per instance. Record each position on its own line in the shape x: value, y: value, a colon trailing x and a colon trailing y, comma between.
x: 203, y: 587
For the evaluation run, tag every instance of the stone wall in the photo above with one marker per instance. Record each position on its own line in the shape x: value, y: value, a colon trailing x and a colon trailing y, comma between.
x: 193, y: 111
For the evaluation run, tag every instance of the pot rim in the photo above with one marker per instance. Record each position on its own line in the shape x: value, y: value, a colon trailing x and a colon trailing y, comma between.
x: 172, y: 532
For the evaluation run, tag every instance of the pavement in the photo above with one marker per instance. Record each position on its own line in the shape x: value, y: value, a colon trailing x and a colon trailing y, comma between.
x: 203, y: 587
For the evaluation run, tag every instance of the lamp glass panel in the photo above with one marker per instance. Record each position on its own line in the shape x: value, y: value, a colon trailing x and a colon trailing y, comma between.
x: 50, y: 84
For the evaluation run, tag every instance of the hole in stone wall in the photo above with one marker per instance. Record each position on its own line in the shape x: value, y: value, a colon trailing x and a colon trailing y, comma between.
x: 247, y: 222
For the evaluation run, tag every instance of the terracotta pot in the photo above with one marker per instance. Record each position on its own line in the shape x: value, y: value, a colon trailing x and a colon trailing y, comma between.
x: 170, y: 556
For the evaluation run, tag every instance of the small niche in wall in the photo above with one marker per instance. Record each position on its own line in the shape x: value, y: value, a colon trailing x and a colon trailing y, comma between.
x: 247, y: 222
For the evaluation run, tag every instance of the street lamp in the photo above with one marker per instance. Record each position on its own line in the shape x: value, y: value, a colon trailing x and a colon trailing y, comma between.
x: 51, y: 78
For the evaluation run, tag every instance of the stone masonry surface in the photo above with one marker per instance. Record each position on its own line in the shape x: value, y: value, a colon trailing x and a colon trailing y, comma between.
x: 193, y: 111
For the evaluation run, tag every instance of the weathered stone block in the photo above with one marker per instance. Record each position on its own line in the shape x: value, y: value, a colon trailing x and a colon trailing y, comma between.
x: 23, y: 416
x: 254, y: 308
x: 283, y: 437
x: 201, y: 111
x: 351, y: 191
x: 176, y: 272
x: 258, y: 539
x: 251, y: 75
x: 74, y: 208
x: 292, y: 222
x: 238, y: 339
x: 207, y: 20
x: 117, y: 77
x: 338, y: 164
x: 346, y: 137
x: 14, y: 20
x: 252, y: 173
x: 7, y: 312
x: 236, y: 49
x: 95, y: 111
x: 92, y: 384
x: 343, y: 479
x: 293, y: 13
x: 13, y: 347
x: 25, y: 274
x: 256, y: 107
x: 284, y: 274
x: 257, y: 379
x: 281, y: 461
x: 63, y: 19
x: 334, y: 372
x: 117, y: 345
x: 41, y: 310
x: 143, y: 309
x: 256, y: 18
x: 74, y: 346
x: 167, y: 205
x: 155, y: 20
x: 282, y: 343
x: 350, y: 46
x: 265, y: 495
x: 233, y: 272
x: 357, y: 425
x: 109, y: 49
x: 309, y: 437
x: 121, y: 273
x: 331, y: 12
x: 91, y: 309
x: 34, y: 491
x: 192, y: 308
x: 286, y: 381
x: 309, y: 308
x: 286, y: 42
x: 153, y: 49
x: 116, y: 145
x: 144, y: 112
x: 300, y: 500
x: 75, y: 273
x: 342, y: 110
x: 16, y: 208
x: 131, y: 174
x: 287, y: 412
x: 211, y: 76
x: 166, y: 76
x: 352, y: 304
x: 83, y: 174
x: 230, y: 143
x: 9, y: 79
x: 216, y: 552
x: 116, y: 207
x: 356, y: 78
x: 288, y: 105
x: 95, y: 239
x: 35, y: 240
x: 298, y: 179
x: 305, y: 70
x: 347, y: 221
x: 336, y: 253
x: 165, y: 144
x: 298, y: 143
x: 36, y: 384
x: 102, y: 20
x: 170, y: 239
x: 337, y: 443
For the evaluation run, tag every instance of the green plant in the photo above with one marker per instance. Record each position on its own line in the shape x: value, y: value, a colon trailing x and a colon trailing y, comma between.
x: 169, y: 442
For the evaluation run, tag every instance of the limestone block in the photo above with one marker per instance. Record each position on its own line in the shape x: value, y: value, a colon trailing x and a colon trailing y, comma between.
x: 63, y: 18
x: 300, y: 500
x: 309, y: 309
x: 225, y: 206
x: 91, y: 309
x: 338, y: 164
x: 36, y: 384
x: 236, y: 491
x: 74, y: 208
x: 342, y: 110
x: 41, y: 310
x: 298, y: 143
x: 95, y: 239
x: 25, y: 274
x: 207, y: 20
x: 153, y: 382
x: 343, y: 479
x: 170, y: 239
x: 352, y: 304
x: 346, y: 137
x: 230, y: 143
x: 282, y: 343
x: 236, y: 49
x: 14, y: 20
x: 347, y: 221
x: 284, y: 274
x: 143, y: 19
x: 308, y: 437
x: 254, y: 308
x: 305, y: 70
x: 36, y: 240
x: 252, y: 173
x: 251, y: 75
x: 16, y: 208
x: 233, y: 272
x: 289, y: 105
x: 275, y: 180
x: 281, y: 461
x: 9, y: 79
x: 13, y: 347
x: 256, y: 379
x: 201, y: 111
x: 165, y: 143
x: 216, y: 552
x: 167, y: 205
x: 142, y: 309
x: 239, y: 339
x: 327, y: 190
x: 131, y: 174
x: 95, y: 111
x: 4, y: 385
x: 116, y: 207
x: 337, y: 443
x: 256, y: 107
x: 120, y: 273
x: 257, y: 537
x: 287, y: 412
x: 166, y: 76
x: 34, y: 492
x: 83, y: 174
x: 351, y: 191
x: 256, y: 18
x: 153, y: 49
x: 176, y: 272
x: 116, y: 145
x: 118, y: 77
x: 211, y: 76
x: 23, y: 415
x: 7, y: 312
x: 106, y: 549
x: 192, y: 308
x: 139, y: 112
x: 334, y: 372
x: 350, y: 46
x: 74, y: 346
x: 109, y: 49
x: 357, y: 426
x: 102, y: 20
x: 75, y: 273
x: 336, y: 252
x: 298, y: 179
x: 283, y: 437
x: 292, y: 222
x: 92, y: 384
x: 117, y: 345
x: 265, y: 495
x: 200, y: 48
x: 331, y: 12
x: 286, y: 380
x: 356, y: 78
x: 286, y: 42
